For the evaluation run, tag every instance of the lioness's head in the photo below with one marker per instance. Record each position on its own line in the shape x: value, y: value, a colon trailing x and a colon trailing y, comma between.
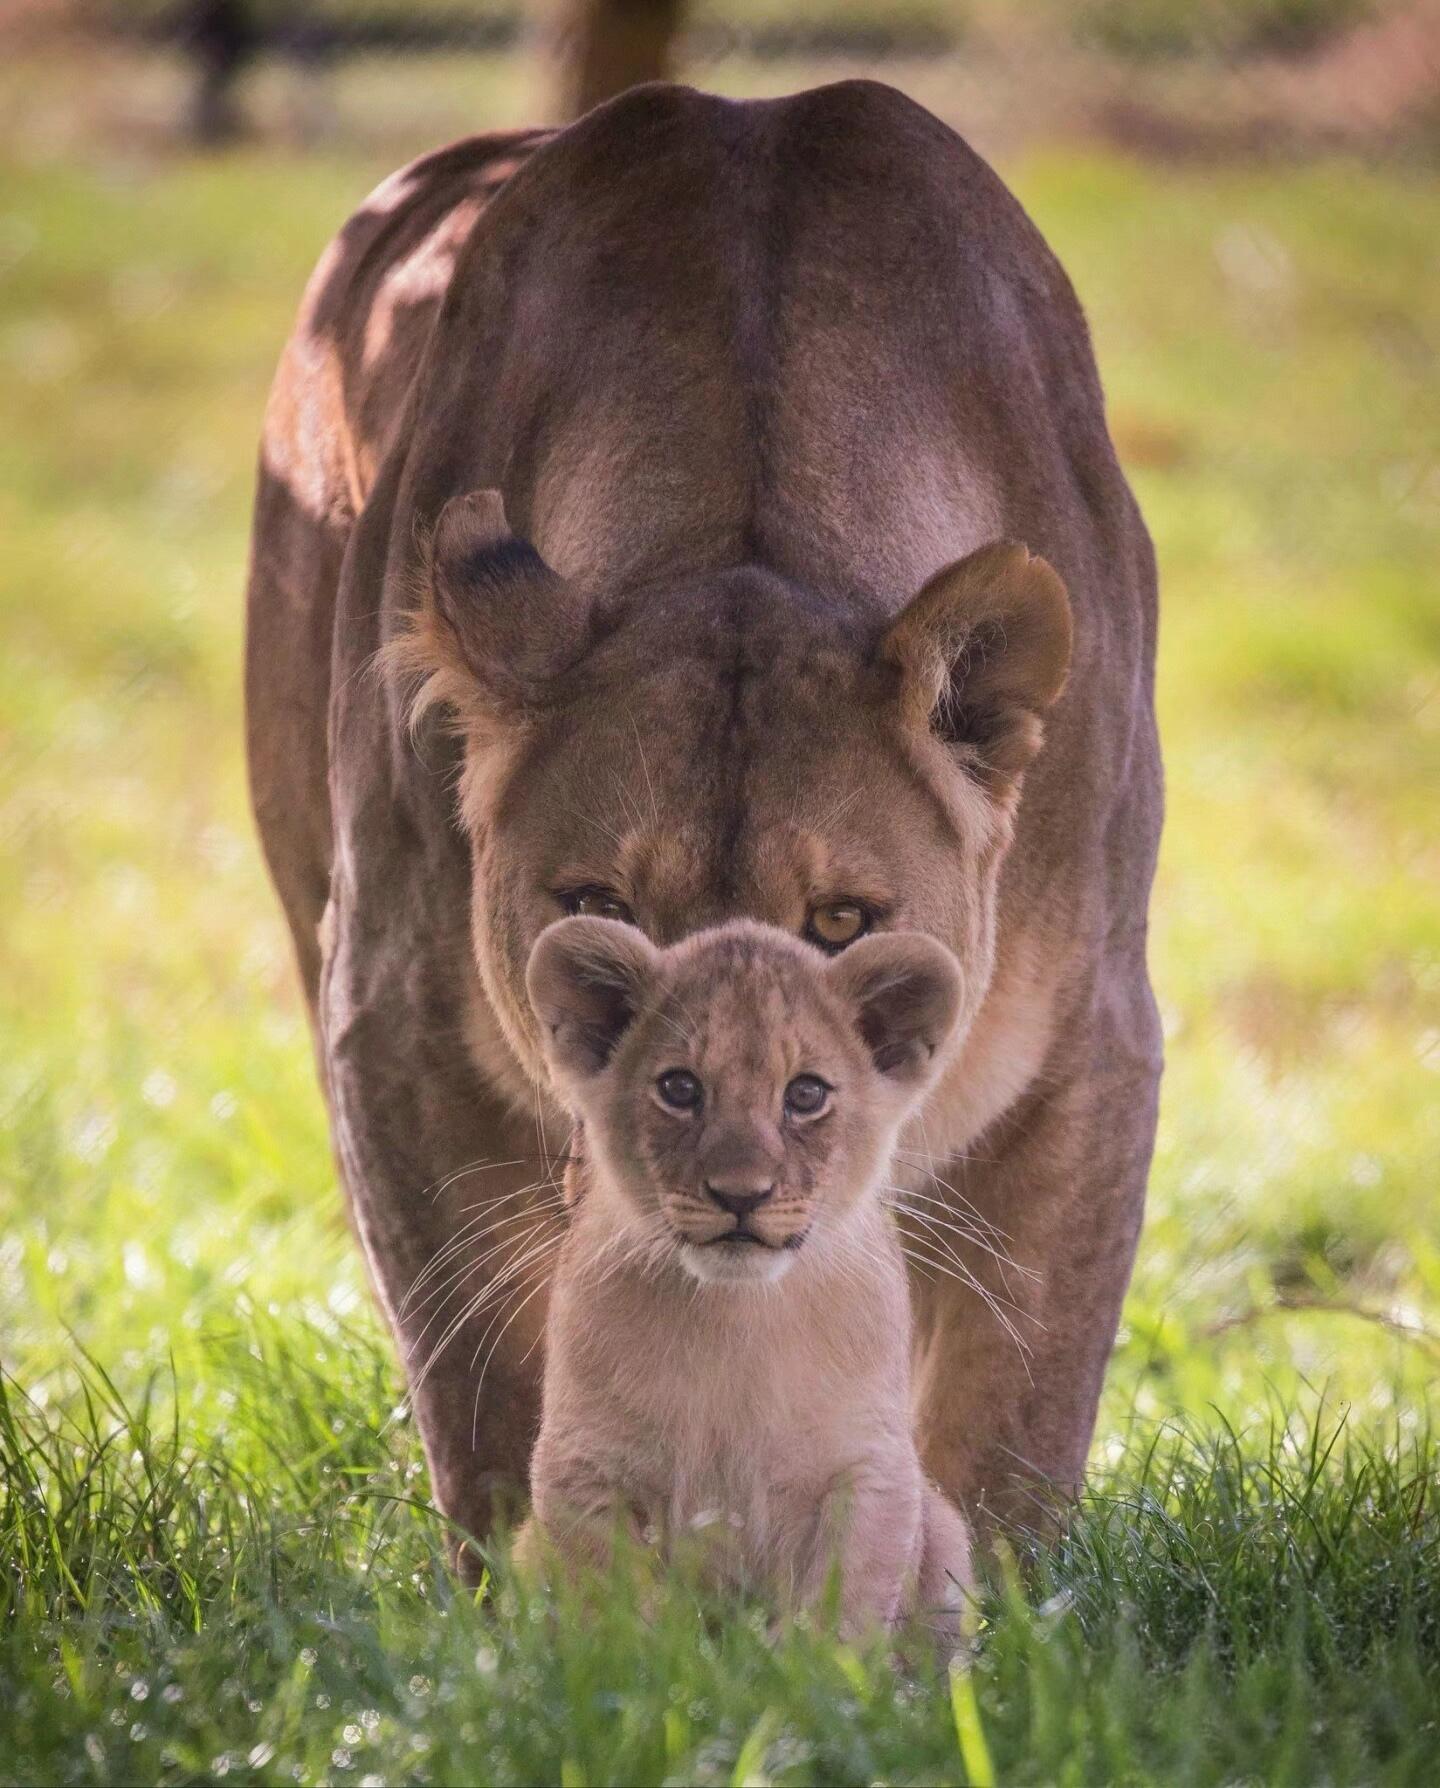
x: 740, y: 1092
x: 731, y: 744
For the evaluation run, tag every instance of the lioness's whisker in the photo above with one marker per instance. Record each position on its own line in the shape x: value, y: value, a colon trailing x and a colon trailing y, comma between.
x: 535, y: 1254
x: 645, y: 769
x: 513, y: 1271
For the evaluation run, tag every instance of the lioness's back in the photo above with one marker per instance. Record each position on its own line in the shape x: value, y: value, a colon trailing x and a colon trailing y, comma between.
x: 726, y: 288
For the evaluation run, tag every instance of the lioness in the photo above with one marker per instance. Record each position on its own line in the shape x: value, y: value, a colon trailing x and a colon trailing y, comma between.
x: 741, y: 1098
x: 682, y: 448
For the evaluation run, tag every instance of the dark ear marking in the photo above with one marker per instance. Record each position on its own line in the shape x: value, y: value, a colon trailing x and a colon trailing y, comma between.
x: 904, y: 989
x: 495, y: 623
x: 984, y: 651
x: 587, y: 979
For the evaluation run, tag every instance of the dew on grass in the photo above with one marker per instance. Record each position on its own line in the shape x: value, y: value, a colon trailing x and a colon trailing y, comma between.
x: 159, y: 1089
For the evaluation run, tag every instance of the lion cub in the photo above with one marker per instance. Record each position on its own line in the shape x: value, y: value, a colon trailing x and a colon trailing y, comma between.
x: 729, y: 1328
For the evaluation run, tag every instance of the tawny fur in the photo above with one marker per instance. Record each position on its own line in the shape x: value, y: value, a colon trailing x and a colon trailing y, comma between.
x: 755, y: 1412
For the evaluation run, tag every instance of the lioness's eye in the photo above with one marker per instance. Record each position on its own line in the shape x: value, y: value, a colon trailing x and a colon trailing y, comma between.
x: 679, y: 1089
x: 837, y: 924
x: 806, y: 1094
x: 596, y: 903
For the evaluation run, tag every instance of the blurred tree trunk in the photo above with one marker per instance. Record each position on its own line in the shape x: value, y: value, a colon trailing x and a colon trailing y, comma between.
x: 221, y: 36
x: 606, y: 46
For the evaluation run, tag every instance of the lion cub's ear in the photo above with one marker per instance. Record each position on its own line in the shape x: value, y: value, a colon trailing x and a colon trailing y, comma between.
x: 587, y: 979
x: 495, y: 623
x: 984, y: 650
x: 905, y: 990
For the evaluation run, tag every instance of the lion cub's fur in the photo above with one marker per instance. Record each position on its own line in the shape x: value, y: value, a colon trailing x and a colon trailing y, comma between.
x: 751, y: 1397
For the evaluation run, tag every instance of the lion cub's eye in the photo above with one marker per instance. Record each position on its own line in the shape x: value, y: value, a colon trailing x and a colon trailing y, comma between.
x: 837, y: 924
x: 596, y: 903
x: 679, y: 1089
x: 806, y: 1094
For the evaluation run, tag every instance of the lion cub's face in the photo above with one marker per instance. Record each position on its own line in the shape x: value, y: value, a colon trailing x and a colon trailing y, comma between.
x: 740, y: 1092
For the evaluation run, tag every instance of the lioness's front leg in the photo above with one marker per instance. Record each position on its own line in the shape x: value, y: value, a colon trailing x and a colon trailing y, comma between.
x: 459, y: 1218
x: 1007, y: 1394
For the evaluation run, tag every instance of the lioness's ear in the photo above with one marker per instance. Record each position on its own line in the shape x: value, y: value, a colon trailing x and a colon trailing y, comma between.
x: 587, y: 979
x: 984, y: 650
x: 495, y: 623
x: 905, y: 990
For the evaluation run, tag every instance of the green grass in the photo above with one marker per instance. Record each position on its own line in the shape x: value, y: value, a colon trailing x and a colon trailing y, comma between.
x: 216, y: 1555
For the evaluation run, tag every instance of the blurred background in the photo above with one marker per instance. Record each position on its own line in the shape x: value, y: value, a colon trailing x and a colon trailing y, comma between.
x: 1245, y: 194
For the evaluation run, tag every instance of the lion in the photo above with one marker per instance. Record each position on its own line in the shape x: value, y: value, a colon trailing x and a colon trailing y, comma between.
x: 740, y: 1097
x: 732, y: 483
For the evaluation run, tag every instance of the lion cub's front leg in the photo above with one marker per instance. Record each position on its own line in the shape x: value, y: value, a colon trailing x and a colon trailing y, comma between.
x: 944, y: 1579
x: 872, y: 1531
x: 577, y: 1521
x: 904, y: 1550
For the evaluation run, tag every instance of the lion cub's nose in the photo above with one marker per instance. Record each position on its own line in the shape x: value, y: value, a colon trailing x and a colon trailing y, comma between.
x: 738, y: 1198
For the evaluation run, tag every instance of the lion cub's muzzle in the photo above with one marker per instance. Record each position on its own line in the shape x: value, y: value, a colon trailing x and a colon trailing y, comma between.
x: 740, y: 1233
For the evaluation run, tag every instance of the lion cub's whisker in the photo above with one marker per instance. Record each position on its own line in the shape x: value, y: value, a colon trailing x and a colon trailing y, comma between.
x: 494, y: 1288
x: 473, y: 1231
x: 905, y: 1201
x: 496, y: 1281
x: 432, y: 1192
x: 475, y: 1419
x: 926, y: 1163
x: 502, y: 1198
x: 456, y: 1280
x: 1022, y: 1346
x: 961, y: 1270
x: 959, y: 1208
